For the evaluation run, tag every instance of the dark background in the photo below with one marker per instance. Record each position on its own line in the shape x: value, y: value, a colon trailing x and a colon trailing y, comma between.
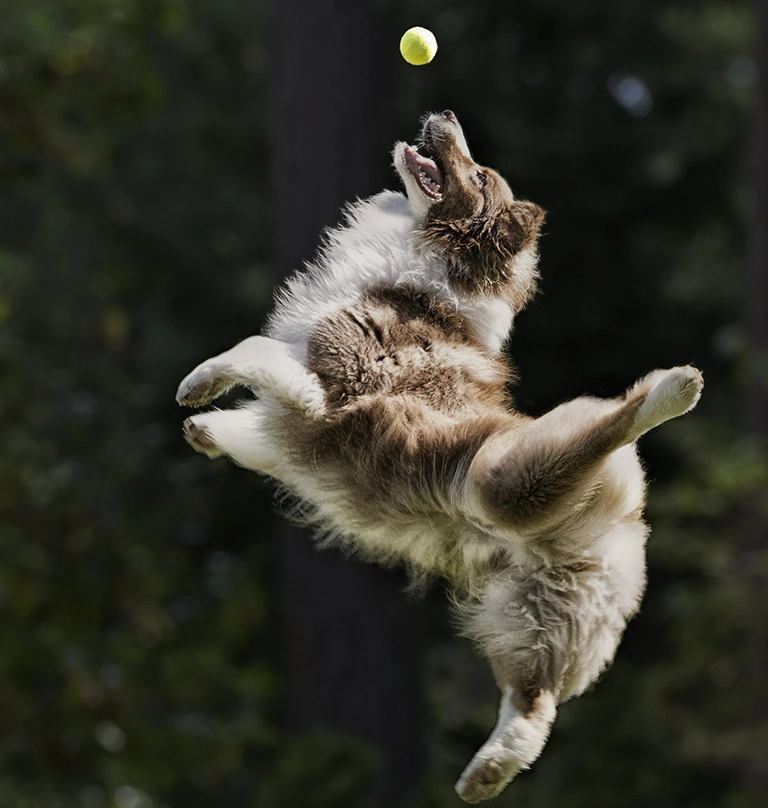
x: 165, y: 639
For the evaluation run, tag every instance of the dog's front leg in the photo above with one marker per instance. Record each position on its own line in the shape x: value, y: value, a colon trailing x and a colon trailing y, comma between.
x: 261, y: 363
x: 245, y: 435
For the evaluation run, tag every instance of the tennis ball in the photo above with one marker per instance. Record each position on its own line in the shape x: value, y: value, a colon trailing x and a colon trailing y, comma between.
x: 418, y: 46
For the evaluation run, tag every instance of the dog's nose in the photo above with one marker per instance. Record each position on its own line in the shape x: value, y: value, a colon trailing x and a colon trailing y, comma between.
x: 449, y: 115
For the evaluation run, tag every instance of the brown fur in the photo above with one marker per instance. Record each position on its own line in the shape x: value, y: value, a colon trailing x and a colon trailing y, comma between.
x: 531, y: 475
x: 398, y: 341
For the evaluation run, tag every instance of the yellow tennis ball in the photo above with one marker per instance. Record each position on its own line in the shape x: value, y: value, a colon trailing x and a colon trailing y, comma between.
x: 418, y: 46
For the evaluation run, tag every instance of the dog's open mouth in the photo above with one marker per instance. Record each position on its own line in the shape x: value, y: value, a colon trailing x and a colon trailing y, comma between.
x: 425, y: 172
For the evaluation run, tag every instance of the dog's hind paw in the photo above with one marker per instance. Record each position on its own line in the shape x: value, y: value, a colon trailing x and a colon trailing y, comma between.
x: 668, y: 394
x: 201, y: 386
x: 486, y: 777
x: 683, y: 386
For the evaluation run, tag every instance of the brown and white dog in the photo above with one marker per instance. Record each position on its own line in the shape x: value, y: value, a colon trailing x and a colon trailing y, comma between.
x: 382, y: 403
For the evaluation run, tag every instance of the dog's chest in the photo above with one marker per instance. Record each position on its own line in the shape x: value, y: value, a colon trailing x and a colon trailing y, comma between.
x: 393, y: 341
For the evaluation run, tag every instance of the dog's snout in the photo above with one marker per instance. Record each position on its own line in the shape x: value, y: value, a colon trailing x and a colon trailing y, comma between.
x: 444, y: 127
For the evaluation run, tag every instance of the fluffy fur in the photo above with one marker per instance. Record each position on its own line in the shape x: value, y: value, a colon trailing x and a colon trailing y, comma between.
x: 383, y: 406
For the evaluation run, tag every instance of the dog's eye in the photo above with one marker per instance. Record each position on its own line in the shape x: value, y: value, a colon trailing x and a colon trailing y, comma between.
x: 481, y: 179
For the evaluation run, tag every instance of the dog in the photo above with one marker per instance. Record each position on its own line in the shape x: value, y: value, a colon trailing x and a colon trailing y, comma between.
x: 383, y: 404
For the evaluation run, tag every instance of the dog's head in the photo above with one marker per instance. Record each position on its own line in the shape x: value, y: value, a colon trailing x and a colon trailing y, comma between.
x: 468, y: 212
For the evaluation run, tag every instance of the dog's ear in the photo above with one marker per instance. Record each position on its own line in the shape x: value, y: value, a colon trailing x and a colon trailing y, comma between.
x: 519, y: 226
x: 493, y: 253
x: 508, y: 254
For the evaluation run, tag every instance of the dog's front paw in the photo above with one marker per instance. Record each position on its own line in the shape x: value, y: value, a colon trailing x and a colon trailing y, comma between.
x: 198, y: 437
x: 487, y: 775
x: 205, y: 383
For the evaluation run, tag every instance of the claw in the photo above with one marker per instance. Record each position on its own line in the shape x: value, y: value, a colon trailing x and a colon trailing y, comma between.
x: 199, y: 439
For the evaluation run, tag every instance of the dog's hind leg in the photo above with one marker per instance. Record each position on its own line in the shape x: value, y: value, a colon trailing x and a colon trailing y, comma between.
x: 666, y: 394
x: 522, y: 627
x: 528, y: 475
x: 261, y: 363
x: 521, y: 731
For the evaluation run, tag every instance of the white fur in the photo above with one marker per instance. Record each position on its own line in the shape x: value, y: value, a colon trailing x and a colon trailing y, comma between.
x: 671, y: 393
x: 261, y: 364
x: 516, y: 741
x: 242, y: 434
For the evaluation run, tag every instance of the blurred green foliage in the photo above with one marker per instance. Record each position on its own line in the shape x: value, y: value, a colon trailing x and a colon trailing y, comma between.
x: 137, y: 649
x: 140, y: 664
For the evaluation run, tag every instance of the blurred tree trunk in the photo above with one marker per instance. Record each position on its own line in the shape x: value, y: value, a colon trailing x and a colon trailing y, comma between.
x: 757, y: 417
x: 757, y: 281
x: 351, y: 639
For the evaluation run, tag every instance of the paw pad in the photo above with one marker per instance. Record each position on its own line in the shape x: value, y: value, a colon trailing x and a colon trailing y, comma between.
x: 199, y: 439
x: 484, y: 779
x: 201, y: 386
